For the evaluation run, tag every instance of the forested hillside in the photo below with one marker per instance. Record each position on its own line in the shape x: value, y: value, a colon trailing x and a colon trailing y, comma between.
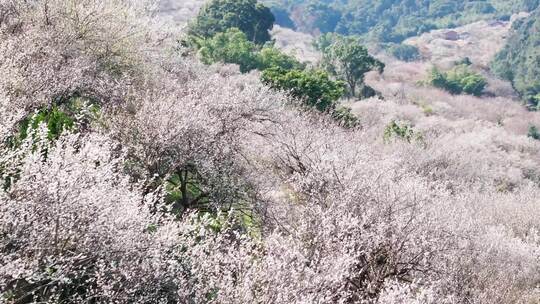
x: 144, y: 161
x: 390, y: 20
x: 519, y: 61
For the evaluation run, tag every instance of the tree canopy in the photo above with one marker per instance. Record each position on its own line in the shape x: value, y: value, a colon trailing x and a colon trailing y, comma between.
x: 348, y: 60
x: 233, y: 47
x: 252, y: 18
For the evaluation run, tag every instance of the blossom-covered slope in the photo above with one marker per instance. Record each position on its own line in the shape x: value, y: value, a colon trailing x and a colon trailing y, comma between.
x: 284, y: 205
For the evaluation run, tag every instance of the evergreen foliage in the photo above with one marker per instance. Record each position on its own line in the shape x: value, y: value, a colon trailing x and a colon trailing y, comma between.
x: 314, y: 87
x: 402, y: 131
x: 533, y: 133
x: 252, y: 18
x: 348, y: 60
x: 519, y: 61
x: 460, y: 79
x: 233, y: 47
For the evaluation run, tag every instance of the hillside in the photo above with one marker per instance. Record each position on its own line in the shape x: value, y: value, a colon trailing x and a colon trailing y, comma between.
x: 478, y: 41
x: 146, y: 161
x: 392, y: 21
x: 519, y: 61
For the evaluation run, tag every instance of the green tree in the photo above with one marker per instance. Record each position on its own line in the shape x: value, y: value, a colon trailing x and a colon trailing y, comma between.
x: 231, y: 46
x: 252, y: 18
x: 315, y: 88
x: 349, y: 61
x: 270, y: 57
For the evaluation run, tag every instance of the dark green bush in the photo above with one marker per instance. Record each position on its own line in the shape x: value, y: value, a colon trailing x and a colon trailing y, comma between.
x: 315, y: 88
x: 458, y: 80
x: 233, y: 47
x: 345, y: 117
x: 401, y: 131
x: 533, y: 133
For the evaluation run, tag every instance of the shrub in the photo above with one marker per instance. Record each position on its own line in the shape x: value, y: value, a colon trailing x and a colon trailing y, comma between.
x: 402, y: 131
x: 74, y: 114
x: 534, y: 102
x: 314, y: 87
x: 533, y: 133
x: 345, y: 117
x: 458, y: 80
x: 55, y: 120
x: 404, y: 52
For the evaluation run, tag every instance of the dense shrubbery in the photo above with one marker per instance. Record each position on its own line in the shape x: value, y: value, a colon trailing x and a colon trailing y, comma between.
x: 232, y: 46
x: 271, y: 203
x: 533, y: 133
x: 458, y: 80
x: 314, y: 87
x: 519, y: 61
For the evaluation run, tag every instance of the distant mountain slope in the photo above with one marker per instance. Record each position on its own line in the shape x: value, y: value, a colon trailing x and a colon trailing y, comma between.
x: 393, y: 20
x: 519, y: 61
x: 479, y: 42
